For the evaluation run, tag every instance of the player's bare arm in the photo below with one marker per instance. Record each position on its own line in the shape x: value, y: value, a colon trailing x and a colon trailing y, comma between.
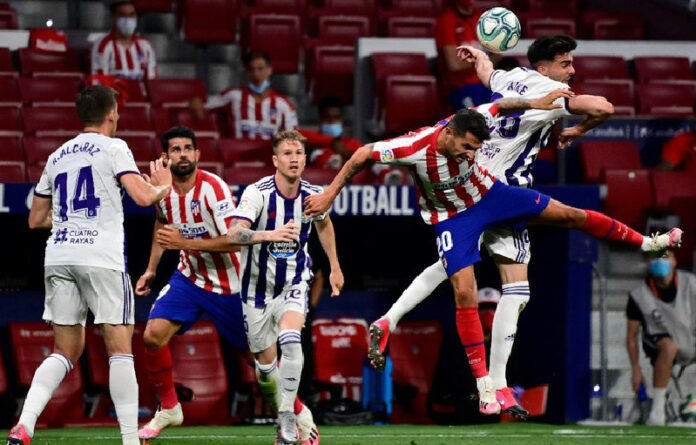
x: 239, y: 233
x: 479, y: 59
x: 453, y: 61
x: 41, y: 213
x: 146, y: 191
x: 170, y: 238
x: 319, y: 203
x: 327, y: 237
x: 596, y: 109
x: 142, y: 287
x: 632, y: 330
x: 511, y: 105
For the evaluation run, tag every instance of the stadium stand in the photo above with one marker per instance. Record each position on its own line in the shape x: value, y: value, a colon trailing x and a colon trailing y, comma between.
x: 277, y: 35
x: 209, y: 21
x: 600, y: 68
x: 410, y: 102
x: 666, y: 99
x: 12, y: 171
x: 422, y: 27
x: 649, y: 69
x: 598, y: 156
x: 330, y: 72
x: 46, y: 91
x: 670, y: 185
x: 11, y: 148
x: 51, y: 121
x: 11, y: 121
x: 32, y: 61
x: 9, y: 92
x: 235, y: 151
x: 621, y: 93
x: 629, y: 196
x: 175, y: 92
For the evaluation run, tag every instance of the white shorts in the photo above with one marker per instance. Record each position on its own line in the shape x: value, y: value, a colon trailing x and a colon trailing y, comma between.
x: 261, y: 324
x: 72, y: 290
x: 508, y: 243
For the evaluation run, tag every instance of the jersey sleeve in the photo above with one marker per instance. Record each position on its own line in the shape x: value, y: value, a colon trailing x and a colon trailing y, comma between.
x: 222, y: 207
x: 219, y: 100
x: 250, y: 205
x: 122, y: 161
x: 497, y: 80
x: 397, y: 151
x: 676, y: 149
x: 44, y: 187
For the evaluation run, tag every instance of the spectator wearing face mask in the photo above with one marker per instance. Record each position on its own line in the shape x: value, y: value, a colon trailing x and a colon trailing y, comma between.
x: 330, y: 146
x: 663, y: 309
x: 122, y: 52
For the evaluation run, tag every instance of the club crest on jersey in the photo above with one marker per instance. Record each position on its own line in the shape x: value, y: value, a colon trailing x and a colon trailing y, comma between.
x: 386, y: 155
x: 285, y: 249
x: 196, y: 207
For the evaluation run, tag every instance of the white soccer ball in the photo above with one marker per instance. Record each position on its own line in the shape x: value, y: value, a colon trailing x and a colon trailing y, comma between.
x: 498, y: 30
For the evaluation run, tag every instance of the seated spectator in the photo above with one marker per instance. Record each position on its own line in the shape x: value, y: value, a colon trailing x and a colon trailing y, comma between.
x: 122, y: 52
x: 679, y: 153
x: 457, y: 26
x: 329, y: 146
x: 257, y: 109
x: 664, y: 308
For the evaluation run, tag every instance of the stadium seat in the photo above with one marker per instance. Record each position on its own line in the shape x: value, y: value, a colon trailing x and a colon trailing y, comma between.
x: 629, y: 196
x: 11, y: 148
x: 672, y: 99
x: 414, y: 348
x: 32, y: 343
x: 34, y: 172
x: 319, y: 176
x: 620, y: 20
x: 273, y: 7
x: 411, y: 27
x: 210, y: 21
x: 8, y: 19
x: 208, y: 145
x: 600, y: 67
x: 418, y: 8
x: 390, y: 64
x: 213, y: 167
x: 598, y: 156
x: 175, y: 92
x: 649, y: 69
x: 143, y: 148
x: 343, y: 29
x: 38, y: 149
x: 619, y: 92
x: 244, y: 175
x: 618, y: 29
x: 684, y: 207
x: 571, y: 6
x: 48, y: 90
x: 34, y: 61
x: 51, y: 120
x: 159, y: 6
x: 488, y: 4
x: 9, y: 92
x: 10, y: 121
x: 199, y: 366
x: 668, y: 185
x: 361, y: 7
x: 332, y: 72
x: 544, y: 26
x: 135, y: 118
x: 340, y: 346
x: 411, y: 102
x: 233, y: 151
x: 6, y: 60
x: 277, y: 35
x: 202, y: 127
x: 12, y: 171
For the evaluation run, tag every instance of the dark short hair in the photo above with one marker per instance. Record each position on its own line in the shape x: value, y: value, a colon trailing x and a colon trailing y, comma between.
x: 546, y: 48
x: 118, y: 3
x: 255, y: 54
x: 287, y: 136
x: 94, y: 103
x: 177, y: 132
x: 468, y: 120
x: 507, y: 63
x: 329, y: 102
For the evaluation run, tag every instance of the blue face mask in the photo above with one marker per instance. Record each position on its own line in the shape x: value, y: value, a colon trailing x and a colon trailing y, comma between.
x: 660, y: 267
x: 335, y: 129
x: 260, y: 88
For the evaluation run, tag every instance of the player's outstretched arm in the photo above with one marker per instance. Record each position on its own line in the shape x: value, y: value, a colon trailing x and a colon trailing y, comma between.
x: 142, y: 287
x: 41, y: 213
x: 145, y: 190
x: 239, y: 233
x: 319, y: 203
x: 170, y: 238
x: 596, y: 109
x: 512, y: 105
x: 482, y: 64
x: 327, y: 237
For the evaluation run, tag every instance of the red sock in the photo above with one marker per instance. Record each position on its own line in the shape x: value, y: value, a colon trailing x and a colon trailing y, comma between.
x: 159, y: 367
x: 602, y: 227
x: 471, y: 336
x: 298, y: 406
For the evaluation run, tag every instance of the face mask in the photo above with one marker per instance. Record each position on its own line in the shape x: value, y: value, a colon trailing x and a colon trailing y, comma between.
x: 261, y: 88
x: 127, y: 25
x: 335, y: 129
x: 660, y: 267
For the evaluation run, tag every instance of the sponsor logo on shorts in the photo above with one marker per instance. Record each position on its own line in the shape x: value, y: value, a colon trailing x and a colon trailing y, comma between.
x: 538, y: 200
x: 285, y: 249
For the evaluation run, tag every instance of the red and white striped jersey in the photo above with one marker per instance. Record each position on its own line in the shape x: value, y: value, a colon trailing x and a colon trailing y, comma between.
x: 136, y: 61
x: 256, y: 119
x: 204, y: 212
x: 445, y: 187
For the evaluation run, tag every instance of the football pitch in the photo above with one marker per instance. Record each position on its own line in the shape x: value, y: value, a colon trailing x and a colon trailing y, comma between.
x: 502, y: 434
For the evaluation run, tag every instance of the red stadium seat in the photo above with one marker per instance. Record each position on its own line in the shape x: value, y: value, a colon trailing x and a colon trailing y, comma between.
x: 319, y: 176
x: 420, y: 8
x: 32, y: 343
x: 143, y: 148
x: 8, y: 19
x: 600, y: 67
x: 47, y: 90
x: 343, y: 28
x: 629, y: 196
x: 135, y: 118
x: 619, y: 92
x: 33, y: 61
x: 34, y: 172
x: 206, y: 126
x: 277, y: 35
x: 245, y: 175
x: 11, y: 148
x: 160, y: 6
x: 390, y: 64
x: 618, y: 29
x: 668, y: 185
x: 340, y: 347
x: 38, y: 149
x: 210, y: 21
x: 235, y: 151
x: 213, y: 167
x: 209, y: 147
x: 571, y: 6
x: 10, y: 121
x: 273, y: 7
x: 9, y: 92
x: 488, y: 4
x: 198, y: 365
x: 685, y: 209
x: 598, y: 156
x: 672, y: 99
x: 411, y: 102
x: 540, y: 27
x: 649, y: 69
x: 361, y: 7
x: 12, y: 171
x: 414, y: 349
x: 589, y: 18
x: 6, y: 60
x: 175, y: 92
x: 411, y: 27
x: 332, y: 72
x: 164, y: 118
x: 51, y: 120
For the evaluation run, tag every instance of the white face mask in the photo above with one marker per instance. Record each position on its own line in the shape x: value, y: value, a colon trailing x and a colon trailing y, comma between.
x: 126, y: 25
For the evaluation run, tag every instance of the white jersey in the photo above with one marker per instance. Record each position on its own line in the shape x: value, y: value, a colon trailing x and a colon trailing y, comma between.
x: 267, y: 268
x: 516, y: 139
x: 82, y: 178
x: 204, y: 212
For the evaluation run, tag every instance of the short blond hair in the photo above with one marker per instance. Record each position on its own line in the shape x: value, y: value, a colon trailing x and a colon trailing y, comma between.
x: 287, y: 136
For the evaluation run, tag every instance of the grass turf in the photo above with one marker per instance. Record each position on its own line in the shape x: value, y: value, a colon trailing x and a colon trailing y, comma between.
x: 494, y: 434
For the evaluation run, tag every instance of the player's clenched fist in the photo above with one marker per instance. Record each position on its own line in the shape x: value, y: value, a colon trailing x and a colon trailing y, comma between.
x: 142, y: 287
x: 170, y: 238
x: 289, y: 232
x: 317, y: 204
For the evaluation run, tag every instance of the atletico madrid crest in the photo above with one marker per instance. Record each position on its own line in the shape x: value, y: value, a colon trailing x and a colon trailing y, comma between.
x: 196, y: 207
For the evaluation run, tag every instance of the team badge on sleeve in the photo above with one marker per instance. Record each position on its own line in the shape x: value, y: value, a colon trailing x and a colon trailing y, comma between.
x: 224, y: 208
x: 386, y: 155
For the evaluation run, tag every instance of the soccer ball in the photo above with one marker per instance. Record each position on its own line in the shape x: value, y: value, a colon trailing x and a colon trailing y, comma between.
x: 498, y: 30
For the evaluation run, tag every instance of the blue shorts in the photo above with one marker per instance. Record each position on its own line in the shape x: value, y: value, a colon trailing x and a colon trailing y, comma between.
x: 184, y: 302
x: 503, y: 205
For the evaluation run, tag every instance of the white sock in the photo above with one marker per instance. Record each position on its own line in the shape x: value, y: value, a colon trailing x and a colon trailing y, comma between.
x: 515, y: 297
x: 290, y: 368
x: 267, y: 378
x: 658, y: 403
x: 419, y: 289
x: 46, y: 379
x: 123, y: 387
